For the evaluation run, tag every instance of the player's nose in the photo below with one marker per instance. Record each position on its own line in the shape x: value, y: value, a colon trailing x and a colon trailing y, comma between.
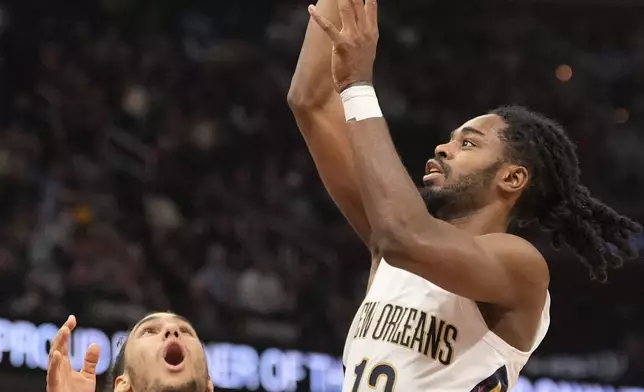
x: 443, y: 151
x: 171, y: 330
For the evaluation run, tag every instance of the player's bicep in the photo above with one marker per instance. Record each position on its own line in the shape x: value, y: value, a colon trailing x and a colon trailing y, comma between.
x: 497, y: 268
x: 523, y: 275
x: 324, y: 130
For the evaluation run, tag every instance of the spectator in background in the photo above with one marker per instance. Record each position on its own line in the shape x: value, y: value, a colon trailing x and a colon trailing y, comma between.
x: 150, y: 162
x: 261, y: 289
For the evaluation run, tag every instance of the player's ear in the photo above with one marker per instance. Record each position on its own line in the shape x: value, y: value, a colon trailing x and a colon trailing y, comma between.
x: 211, y: 388
x: 514, y: 178
x: 122, y: 384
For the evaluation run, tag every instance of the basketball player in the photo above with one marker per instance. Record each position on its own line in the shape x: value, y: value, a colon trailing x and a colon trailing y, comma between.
x: 454, y: 302
x: 162, y: 353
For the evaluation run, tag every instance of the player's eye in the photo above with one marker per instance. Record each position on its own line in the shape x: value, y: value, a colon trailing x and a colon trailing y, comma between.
x: 467, y: 143
x: 149, y: 330
x: 186, y: 330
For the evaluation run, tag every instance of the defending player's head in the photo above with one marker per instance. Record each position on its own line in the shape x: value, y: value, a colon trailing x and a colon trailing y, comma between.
x: 162, y: 353
x: 523, y: 165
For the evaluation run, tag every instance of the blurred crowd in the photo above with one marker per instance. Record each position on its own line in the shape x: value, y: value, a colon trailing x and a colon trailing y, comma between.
x: 148, y: 159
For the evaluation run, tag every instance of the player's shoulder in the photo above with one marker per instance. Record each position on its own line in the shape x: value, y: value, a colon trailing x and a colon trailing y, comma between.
x: 519, y: 256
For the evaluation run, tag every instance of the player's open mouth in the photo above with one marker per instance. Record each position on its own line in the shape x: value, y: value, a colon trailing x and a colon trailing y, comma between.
x: 173, y: 355
x: 431, y: 177
x: 433, y: 170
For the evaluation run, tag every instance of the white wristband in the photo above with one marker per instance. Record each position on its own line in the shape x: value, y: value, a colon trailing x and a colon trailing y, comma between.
x: 360, y: 103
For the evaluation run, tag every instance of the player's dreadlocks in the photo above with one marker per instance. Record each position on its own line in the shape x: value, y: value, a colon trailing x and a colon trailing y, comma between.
x: 557, y: 201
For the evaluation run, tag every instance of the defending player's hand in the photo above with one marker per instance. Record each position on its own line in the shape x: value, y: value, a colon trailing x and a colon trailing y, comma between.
x: 354, y: 46
x: 60, y: 375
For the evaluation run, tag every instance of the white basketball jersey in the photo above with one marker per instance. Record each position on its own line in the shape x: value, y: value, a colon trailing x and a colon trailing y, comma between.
x: 410, y: 335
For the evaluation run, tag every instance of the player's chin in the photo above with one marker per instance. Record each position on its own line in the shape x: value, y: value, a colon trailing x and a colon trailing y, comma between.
x: 173, y: 380
x: 182, y: 382
x: 432, y: 185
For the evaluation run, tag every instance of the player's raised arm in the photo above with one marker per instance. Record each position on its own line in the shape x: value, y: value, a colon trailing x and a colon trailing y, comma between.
x: 497, y: 268
x: 319, y: 114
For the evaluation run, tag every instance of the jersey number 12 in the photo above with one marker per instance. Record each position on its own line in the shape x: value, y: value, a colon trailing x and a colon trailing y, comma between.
x: 380, y: 370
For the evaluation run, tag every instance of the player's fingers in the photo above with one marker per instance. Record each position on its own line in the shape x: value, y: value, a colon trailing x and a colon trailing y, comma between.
x: 55, y: 360
x: 347, y: 14
x: 324, y: 24
x: 63, y: 343
x: 56, y: 342
x: 91, y: 360
x: 62, y: 335
x: 371, y: 13
x: 71, y: 322
x: 69, y: 326
x: 359, y: 12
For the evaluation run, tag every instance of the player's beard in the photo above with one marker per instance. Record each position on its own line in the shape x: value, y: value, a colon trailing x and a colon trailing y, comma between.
x: 462, y: 198
x: 156, y: 385
x: 189, y: 386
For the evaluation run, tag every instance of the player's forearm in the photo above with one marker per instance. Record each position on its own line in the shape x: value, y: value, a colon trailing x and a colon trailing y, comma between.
x: 392, y: 201
x: 312, y: 83
x: 318, y: 112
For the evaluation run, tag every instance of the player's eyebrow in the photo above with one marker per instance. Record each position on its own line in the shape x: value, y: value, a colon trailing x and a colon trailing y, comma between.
x: 466, y: 131
x: 156, y: 317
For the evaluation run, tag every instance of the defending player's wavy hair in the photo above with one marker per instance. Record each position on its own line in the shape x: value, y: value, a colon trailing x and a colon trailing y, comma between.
x: 117, y: 368
x: 557, y: 201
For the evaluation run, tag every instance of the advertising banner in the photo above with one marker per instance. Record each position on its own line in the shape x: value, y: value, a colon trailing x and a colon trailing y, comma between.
x: 25, y: 345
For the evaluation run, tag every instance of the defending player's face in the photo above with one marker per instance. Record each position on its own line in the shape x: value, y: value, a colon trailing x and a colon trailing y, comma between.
x: 163, y: 353
x: 460, y: 177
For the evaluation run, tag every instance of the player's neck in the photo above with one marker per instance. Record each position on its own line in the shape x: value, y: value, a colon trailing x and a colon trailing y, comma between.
x: 489, y: 219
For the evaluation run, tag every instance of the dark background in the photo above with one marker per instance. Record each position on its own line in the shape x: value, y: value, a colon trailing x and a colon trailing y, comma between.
x: 148, y: 160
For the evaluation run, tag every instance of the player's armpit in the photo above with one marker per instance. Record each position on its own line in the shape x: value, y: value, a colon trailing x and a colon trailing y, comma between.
x: 496, y: 268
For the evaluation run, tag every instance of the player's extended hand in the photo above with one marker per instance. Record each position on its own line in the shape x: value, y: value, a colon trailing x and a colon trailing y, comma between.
x: 354, y: 46
x: 60, y: 375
